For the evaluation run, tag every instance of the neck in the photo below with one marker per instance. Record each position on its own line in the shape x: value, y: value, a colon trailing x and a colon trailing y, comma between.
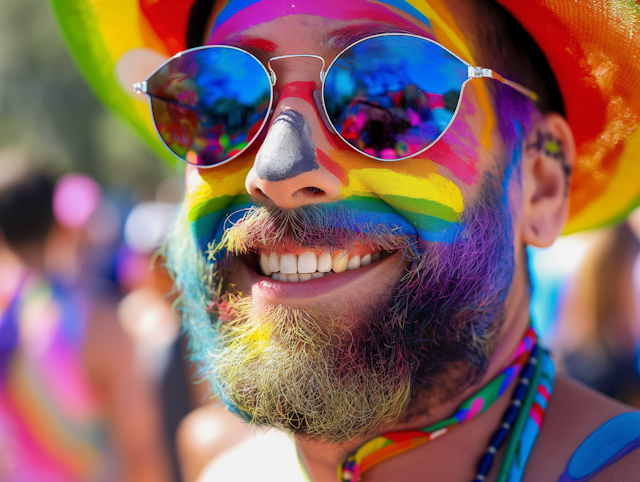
x: 454, y: 456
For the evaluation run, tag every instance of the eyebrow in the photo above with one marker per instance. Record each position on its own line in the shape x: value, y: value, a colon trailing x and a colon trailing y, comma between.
x: 341, y: 38
x: 261, y: 48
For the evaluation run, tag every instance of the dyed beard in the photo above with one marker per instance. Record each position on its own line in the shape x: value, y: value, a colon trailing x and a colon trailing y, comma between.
x: 285, y: 368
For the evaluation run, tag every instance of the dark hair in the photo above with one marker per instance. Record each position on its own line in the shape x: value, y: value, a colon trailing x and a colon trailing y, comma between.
x: 516, y: 55
x: 26, y: 209
x: 197, y: 23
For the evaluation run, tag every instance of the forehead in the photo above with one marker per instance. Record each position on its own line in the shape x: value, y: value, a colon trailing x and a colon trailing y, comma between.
x: 232, y: 16
x: 243, y: 14
x: 447, y: 21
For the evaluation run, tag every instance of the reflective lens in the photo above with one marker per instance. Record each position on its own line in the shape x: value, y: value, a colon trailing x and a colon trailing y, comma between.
x: 393, y: 96
x: 210, y: 103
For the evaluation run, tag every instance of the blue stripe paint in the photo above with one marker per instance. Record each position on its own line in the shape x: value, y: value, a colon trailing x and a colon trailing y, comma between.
x: 232, y: 7
x: 402, y: 5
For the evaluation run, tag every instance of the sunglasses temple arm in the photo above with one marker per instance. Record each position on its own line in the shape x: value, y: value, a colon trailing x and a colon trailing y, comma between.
x: 479, y: 72
x: 522, y: 89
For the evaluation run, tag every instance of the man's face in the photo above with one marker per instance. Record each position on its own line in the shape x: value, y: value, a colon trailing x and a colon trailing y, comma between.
x: 435, y: 232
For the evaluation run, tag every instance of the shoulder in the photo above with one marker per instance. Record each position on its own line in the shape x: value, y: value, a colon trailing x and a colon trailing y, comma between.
x: 267, y: 455
x: 576, y: 414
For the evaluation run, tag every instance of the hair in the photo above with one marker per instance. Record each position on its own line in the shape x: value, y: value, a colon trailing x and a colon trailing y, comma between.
x: 514, y: 54
x: 198, y: 21
x: 26, y: 209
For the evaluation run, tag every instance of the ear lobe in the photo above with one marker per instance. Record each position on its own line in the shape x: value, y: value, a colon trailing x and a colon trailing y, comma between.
x: 547, y: 165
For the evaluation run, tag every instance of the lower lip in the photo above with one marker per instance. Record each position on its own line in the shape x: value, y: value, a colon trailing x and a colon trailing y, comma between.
x: 267, y: 287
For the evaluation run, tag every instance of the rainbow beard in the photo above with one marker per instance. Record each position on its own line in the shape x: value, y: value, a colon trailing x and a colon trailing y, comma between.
x: 337, y: 375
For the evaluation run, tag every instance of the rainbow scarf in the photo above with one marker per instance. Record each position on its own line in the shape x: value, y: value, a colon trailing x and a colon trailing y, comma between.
x: 391, y: 444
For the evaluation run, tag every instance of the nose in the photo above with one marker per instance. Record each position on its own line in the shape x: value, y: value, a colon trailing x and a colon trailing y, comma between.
x: 286, y: 171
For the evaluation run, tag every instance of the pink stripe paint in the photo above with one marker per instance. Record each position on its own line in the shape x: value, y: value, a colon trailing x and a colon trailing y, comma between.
x: 442, y: 154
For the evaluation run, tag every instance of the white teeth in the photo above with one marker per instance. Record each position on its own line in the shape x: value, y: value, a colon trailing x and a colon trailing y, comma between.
x: 288, y: 264
x: 365, y: 260
x: 324, y: 263
x: 264, y: 264
x: 353, y: 263
x: 340, y: 261
x: 307, y: 263
x: 274, y: 263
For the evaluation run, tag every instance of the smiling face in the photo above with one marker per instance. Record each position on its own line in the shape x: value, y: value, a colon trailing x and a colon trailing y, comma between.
x: 326, y: 269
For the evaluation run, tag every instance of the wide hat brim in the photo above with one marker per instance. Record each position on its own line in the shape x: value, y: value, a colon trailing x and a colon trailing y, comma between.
x: 592, y: 46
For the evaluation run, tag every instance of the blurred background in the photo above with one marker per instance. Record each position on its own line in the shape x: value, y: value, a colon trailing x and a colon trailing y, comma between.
x: 94, y: 384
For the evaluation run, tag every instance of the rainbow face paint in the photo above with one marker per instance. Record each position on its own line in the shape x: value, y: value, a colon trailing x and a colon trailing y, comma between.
x: 421, y: 197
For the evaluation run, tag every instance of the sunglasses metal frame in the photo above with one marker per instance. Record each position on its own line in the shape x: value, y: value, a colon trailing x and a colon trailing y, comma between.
x: 473, y: 72
x: 141, y: 88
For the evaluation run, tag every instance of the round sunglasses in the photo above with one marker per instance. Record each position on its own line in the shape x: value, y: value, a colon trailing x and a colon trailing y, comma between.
x: 388, y: 96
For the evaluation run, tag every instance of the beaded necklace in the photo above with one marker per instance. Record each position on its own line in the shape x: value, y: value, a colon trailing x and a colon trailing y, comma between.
x: 391, y: 444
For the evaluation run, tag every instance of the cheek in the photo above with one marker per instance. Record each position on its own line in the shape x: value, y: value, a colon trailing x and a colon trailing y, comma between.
x: 426, y: 191
x: 410, y: 195
x: 215, y: 195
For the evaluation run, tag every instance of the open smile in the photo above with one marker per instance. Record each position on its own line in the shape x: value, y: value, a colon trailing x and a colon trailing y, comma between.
x: 314, y: 274
x: 308, y: 265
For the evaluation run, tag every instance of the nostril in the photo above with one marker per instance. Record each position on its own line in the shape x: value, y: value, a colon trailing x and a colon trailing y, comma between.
x: 311, y: 192
x: 256, y: 192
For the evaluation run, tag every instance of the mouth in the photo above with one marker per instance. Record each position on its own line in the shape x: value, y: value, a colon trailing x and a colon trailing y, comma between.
x: 298, y: 275
x: 310, y: 265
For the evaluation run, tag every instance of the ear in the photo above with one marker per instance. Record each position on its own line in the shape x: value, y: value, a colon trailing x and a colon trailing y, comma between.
x: 546, y: 171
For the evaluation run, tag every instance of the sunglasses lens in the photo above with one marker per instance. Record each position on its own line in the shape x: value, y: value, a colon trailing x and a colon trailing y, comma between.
x: 209, y: 104
x: 392, y: 96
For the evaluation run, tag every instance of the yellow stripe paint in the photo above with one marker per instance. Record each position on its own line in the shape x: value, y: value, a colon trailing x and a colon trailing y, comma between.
x: 202, y: 188
x: 380, y: 182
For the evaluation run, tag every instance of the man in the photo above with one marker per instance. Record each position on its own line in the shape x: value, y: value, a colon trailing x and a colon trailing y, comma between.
x: 370, y: 293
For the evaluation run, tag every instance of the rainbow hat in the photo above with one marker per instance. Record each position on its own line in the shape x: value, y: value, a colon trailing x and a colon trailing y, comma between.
x: 592, y: 46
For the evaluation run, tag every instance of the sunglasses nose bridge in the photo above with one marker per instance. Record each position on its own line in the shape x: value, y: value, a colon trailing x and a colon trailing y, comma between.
x: 272, y: 74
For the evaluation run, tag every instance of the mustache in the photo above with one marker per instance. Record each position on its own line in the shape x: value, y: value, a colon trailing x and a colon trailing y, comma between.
x: 313, y: 226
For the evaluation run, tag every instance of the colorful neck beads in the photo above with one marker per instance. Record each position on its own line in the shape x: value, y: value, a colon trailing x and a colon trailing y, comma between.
x: 391, y: 444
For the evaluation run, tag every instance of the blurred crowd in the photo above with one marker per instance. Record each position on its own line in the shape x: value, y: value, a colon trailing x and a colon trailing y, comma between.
x: 95, y: 384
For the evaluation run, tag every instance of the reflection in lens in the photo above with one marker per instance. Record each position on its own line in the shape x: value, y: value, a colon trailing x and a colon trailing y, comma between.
x: 393, y: 96
x: 209, y: 104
